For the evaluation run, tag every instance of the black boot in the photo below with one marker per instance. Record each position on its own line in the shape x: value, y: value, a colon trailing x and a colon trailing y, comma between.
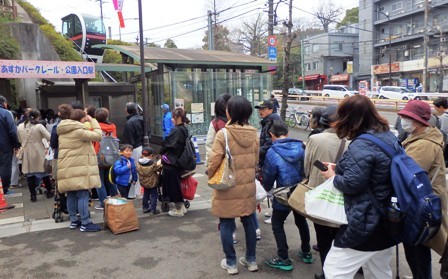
x: 32, y: 184
x: 48, y: 186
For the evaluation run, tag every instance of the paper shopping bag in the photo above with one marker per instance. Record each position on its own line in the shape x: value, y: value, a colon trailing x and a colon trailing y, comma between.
x: 120, y: 215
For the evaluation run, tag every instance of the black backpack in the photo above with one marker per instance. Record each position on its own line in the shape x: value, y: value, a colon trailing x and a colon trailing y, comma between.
x: 187, y: 159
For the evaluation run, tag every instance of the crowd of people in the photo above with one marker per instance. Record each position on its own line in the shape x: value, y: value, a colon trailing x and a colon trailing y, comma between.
x: 359, y: 170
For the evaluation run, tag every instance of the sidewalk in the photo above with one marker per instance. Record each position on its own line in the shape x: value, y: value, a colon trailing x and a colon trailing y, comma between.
x: 29, y: 216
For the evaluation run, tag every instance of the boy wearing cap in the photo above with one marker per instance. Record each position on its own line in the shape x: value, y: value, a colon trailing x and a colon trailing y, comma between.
x: 148, y: 171
x: 167, y: 124
x: 424, y: 145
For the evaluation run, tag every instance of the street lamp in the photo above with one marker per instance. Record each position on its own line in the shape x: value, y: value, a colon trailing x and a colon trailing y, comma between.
x: 143, y: 77
x: 390, y: 45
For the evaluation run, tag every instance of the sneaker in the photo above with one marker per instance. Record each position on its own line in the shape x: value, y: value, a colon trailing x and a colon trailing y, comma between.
x: 10, y: 193
x: 90, y: 227
x: 176, y: 213
x: 267, y: 221
x: 99, y: 207
x: 305, y: 257
x: 231, y: 269
x: 268, y: 214
x: 280, y: 263
x: 74, y: 225
x: 154, y: 212
x: 251, y: 266
x: 184, y: 209
x: 146, y: 210
x: 258, y: 232
x: 316, y: 247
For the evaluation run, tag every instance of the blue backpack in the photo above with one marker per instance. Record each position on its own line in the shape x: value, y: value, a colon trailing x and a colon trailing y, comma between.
x: 420, y: 208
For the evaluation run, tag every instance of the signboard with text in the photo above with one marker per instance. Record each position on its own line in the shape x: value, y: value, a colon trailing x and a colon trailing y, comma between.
x: 272, y: 53
x: 46, y: 69
x: 384, y: 68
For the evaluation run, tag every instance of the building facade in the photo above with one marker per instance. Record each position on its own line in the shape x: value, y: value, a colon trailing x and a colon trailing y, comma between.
x: 392, y: 42
x: 330, y: 58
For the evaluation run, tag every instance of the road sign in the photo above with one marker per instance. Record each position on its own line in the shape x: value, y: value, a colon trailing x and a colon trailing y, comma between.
x: 272, y: 41
x: 272, y: 53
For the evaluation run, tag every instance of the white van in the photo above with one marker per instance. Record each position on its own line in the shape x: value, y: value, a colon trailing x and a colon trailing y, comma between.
x: 338, y: 91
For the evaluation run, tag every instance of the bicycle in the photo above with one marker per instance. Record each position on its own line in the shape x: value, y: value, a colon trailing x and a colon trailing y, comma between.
x: 300, y: 119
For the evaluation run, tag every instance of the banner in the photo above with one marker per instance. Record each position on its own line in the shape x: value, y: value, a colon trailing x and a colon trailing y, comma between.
x: 46, y: 69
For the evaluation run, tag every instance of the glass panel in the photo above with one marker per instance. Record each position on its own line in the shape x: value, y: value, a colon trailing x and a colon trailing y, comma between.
x: 196, y: 91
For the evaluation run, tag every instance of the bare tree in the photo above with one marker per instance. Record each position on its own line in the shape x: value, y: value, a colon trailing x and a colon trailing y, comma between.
x: 327, y: 12
x: 251, y: 37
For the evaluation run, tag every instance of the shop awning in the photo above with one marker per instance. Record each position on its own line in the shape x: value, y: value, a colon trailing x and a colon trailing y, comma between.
x: 341, y: 77
x: 313, y: 77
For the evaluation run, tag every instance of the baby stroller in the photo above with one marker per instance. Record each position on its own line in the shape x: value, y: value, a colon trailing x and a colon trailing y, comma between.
x: 164, y: 200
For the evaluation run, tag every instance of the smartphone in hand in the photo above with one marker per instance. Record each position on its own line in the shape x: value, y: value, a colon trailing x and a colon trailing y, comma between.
x: 318, y: 164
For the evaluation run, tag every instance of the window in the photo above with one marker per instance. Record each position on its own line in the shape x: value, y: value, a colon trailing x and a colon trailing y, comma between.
x: 336, y: 46
x: 396, y: 30
x: 396, y: 6
x: 316, y: 65
x: 315, y: 48
x: 308, y: 67
x: 307, y: 49
x: 381, y: 9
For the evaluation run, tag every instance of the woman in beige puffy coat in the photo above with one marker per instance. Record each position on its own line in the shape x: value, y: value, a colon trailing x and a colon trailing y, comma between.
x: 238, y: 201
x: 31, y: 133
x: 77, y: 166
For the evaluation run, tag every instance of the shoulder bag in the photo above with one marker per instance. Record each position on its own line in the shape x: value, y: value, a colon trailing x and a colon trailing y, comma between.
x: 224, y: 177
x: 19, y: 152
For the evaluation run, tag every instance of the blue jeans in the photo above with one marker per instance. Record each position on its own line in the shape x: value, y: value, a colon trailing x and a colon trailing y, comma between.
x: 78, y: 201
x: 105, y: 184
x: 227, y: 227
x: 254, y: 216
x: 278, y: 221
x: 149, y: 195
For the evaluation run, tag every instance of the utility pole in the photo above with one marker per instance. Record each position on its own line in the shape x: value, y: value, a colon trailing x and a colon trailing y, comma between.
x: 425, y: 49
x: 101, y: 10
x: 289, y: 37
x: 441, y: 55
x: 143, y: 78
x: 302, y: 58
x: 210, y: 31
x: 271, y: 18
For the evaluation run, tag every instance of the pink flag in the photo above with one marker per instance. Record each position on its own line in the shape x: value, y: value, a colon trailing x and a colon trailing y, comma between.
x: 120, y: 18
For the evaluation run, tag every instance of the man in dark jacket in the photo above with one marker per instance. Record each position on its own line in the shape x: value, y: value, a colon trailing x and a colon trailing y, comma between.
x: 9, y: 141
x: 265, y: 110
x: 133, y: 135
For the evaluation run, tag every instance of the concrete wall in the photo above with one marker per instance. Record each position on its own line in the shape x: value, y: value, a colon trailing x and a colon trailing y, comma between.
x: 33, y: 45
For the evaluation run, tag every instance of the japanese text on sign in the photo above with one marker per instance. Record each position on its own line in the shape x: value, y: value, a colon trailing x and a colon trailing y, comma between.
x: 46, y: 69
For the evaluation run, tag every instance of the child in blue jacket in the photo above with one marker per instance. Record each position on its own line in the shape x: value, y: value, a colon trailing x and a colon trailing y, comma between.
x: 125, y: 170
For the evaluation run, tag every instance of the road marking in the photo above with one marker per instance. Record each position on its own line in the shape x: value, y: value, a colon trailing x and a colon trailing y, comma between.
x: 12, y: 220
x: 196, y: 175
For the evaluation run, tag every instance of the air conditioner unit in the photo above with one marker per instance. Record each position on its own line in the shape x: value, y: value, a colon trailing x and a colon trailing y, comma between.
x: 406, y: 53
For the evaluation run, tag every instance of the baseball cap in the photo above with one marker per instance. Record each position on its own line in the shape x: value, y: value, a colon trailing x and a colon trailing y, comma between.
x: 165, y: 107
x: 146, y: 151
x: 418, y: 111
x: 265, y: 104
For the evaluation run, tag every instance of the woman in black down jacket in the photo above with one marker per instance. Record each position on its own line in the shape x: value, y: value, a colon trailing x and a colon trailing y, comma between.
x: 363, y: 173
x: 172, y: 148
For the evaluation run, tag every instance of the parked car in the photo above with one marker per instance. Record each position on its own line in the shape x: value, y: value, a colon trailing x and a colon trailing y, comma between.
x: 398, y: 93
x: 298, y: 92
x: 338, y: 91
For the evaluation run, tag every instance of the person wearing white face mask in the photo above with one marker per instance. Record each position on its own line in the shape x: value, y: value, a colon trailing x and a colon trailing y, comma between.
x: 424, y: 145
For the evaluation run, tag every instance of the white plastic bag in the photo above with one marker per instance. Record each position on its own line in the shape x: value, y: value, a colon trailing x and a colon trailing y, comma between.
x: 325, y: 202
x: 260, y: 193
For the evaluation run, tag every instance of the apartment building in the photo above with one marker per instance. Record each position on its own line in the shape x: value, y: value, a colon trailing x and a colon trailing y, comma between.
x: 328, y: 58
x: 392, y: 32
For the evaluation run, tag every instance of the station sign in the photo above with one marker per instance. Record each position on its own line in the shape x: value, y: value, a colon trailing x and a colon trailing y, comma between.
x: 46, y: 69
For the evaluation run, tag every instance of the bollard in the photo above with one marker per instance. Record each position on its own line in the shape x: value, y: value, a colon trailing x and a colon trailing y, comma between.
x: 196, y: 150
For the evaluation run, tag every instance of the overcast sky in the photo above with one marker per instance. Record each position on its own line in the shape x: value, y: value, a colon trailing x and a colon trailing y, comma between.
x: 161, y: 17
